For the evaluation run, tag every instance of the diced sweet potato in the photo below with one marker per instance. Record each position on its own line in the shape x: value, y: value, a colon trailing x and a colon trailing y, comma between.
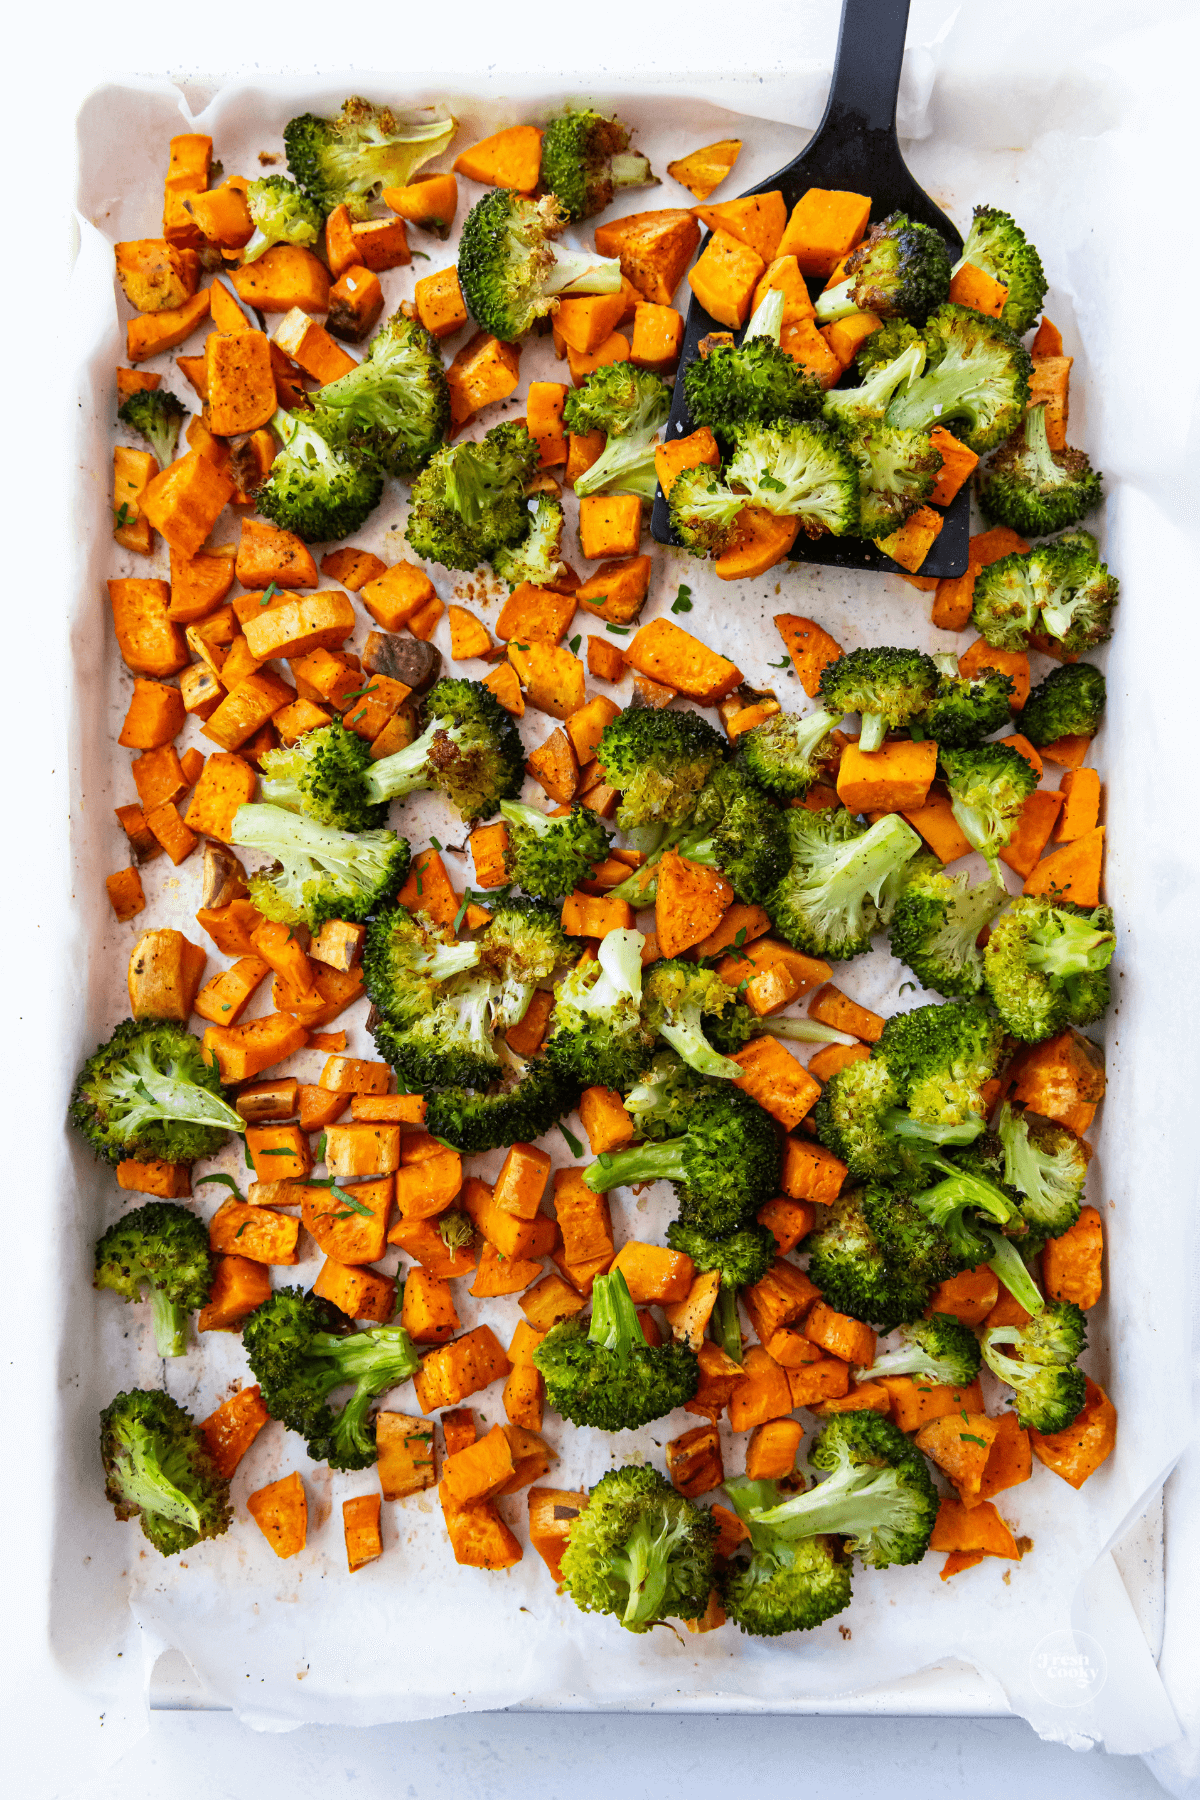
x: 654, y: 249
x: 772, y: 1076
x: 810, y: 648
x: 763, y: 1393
x: 694, y: 1462
x: 280, y: 1511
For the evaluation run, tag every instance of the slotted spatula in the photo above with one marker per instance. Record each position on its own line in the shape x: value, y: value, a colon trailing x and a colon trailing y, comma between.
x: 854, y: 149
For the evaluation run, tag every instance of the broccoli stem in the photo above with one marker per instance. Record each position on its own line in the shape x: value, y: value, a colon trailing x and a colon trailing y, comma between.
x: 644, y: 1162
x: 874, y: 730
x: 912, y: 1360
x: 767, y: 319
x: 847, y: 1502
x: 727, y: 1328
x: 981, y: 835
x: 687, y: 1038
x: 802, y: 1031
x: 577, y: 272
x: 151, y: 1096
x: 615, y: 1325
x: 624, y: 466
x: 628, y: 169
x: 518, y: 813
x: 1008, y: 1267
x: 620, y: 959
x: 392, y: 777
x: 837, y: 302
x: 645, y: 1568
x: 170, y: 1324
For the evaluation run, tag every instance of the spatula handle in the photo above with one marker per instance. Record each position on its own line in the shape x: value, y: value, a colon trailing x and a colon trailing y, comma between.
x: 866, y: 70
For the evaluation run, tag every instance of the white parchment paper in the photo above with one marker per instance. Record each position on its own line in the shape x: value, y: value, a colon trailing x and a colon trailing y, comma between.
x: 412, y: 1635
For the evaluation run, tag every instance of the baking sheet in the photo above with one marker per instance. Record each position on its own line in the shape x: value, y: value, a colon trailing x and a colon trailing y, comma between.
x: 376, y: 1648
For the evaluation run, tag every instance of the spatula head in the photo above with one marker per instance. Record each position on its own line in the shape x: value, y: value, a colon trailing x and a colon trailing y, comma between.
x: 847, y: 154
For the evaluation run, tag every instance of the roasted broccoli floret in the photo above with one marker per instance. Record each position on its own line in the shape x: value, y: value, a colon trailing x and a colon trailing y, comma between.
x: 598, y: 1036
x: 733, y: 827
x: 344, y: 161
x: 942, y: 1056
x: 972, y: 1210
x: 853, y: 408
x: 1047, y: 1166
x: 704, y: 512
x: 282, y: 214
x: 659, y: 759
x: 1045, y: 965
x: 157, y: 1468
x: 829, y: 902
x: 879, y: 1494
x: 743, y: 1257
x: 799, y: 469
x: 320, y: 493
x: 605, y: 1374
x: 395, y: 406
x: 786, y: 753
x: 897, y: 471
x: 152, y: 1094
x: 936, y: 922
x: 676, y: 998
x: 537, y: 558
x: 549, y: 856
x: 469, y: 500
x: 509, y: 269
x: 586, y: 160
x: 965, y: 710
x: 732, y: 387
x: 1036, y: 490
x: 889, y: 687
x: 785, y: 1586
x: 319, y: 873
x: 883, y: 346
x: 156, y: 415
x: 900, y: 270
x: 728, y: 1160
x: 456, y: 1229
x: 1060, y: 591
x: 640, y: 1551
x: 659, y: 1102
x: 530, y: 1099
x: 997, y: 245
x: 469, y: 750
x: 321, y: 776
x: 942, y: 1350
x: 406, y: 963
x: 165, y: 1247
x: 876, y: 1259
x: 1069, y: 703
x: 1050, y: 1389
x: 976, y: 377
x: 630, y: 405
x: 989, y: 784
x: 298, y: 1362
x: 523, y: 945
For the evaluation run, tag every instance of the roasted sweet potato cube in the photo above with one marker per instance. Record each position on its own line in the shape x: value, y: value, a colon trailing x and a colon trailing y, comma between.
x: 280, y: 1511
x: 694, y: 1461
x: 439, y: 302
x: 654, y: 249
x: 406, y: 1463
x: 484, y: 372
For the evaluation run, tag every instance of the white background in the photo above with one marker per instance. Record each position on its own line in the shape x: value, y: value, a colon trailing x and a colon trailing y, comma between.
x: 53, y: 62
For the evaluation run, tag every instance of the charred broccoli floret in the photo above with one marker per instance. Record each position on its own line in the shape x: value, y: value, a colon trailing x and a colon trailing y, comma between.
x: 537, y: 558
x: 733, y: 387
x: 344, y: 161
x: 522, y: 1108
x: 550, y: 856
x: 787, y: 752
x: 889, y: 687
x: 469, y: 500
x: 321, y: 775
x: 935, y: 924
x: 157, y: 1468
x: 509, y: 269
x: 989, y: 784
x: 879, y: 1494
x: 1069, y: 703
x: 1050, y: 1389
x: 875, y: 1258
x: 406, y: 964
x: 640, y: 1551
x: 586, y: 160
x: 166, y: 1248
x: 799, y: 469
x: 728, y: 1160
x: 152, y: 1094
x: 965, y: 710
x: 469, y: 750
x: 605, y: 1374
x: 1046, y: 1164
x: 298, y: 1363
x: 1060, y: 591
x: 319, y: 873
x: 1036, y: 490
x: 676, y: 998
x: 282, y: 213
x: 997, y: 245
x: 320, y: 493
x: 630, y: 405
x: 1045, y: 965
x: 829, y: 902
x: 660, y: 1101
x: 784, y: 1586
x: 704, y: 512
x: 395, y: 406
x: 883, y: 346
x: 156, y: 415
x: 598, y: 1036
x: 942, y: 1350
x: 900, y: 270
x: 659, y: 759
x: 942, y: 1056
x: 733, y: 827
x: 976, y: 377
x: 897, y: 471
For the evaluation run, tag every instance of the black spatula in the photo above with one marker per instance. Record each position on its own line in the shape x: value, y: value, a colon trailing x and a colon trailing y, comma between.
x: 854, y: 149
